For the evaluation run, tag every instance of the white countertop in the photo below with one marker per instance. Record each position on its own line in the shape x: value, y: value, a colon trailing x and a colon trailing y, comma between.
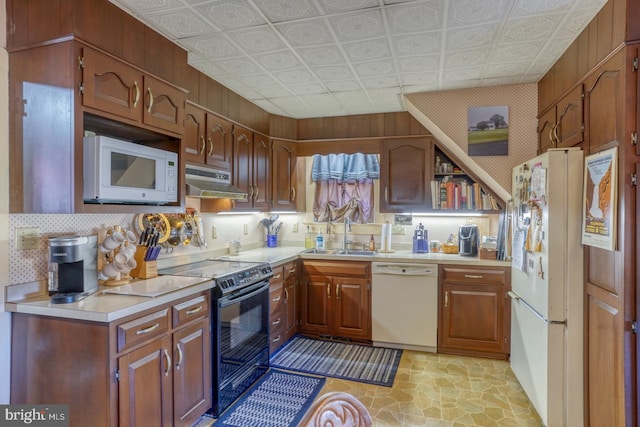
x: 107, y: 307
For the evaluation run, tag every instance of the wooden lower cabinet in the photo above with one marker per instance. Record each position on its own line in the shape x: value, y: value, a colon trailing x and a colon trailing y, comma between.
x: 284, y: 304
x: 152, y: 368
x: 337, y: 304
x: 475, y: 311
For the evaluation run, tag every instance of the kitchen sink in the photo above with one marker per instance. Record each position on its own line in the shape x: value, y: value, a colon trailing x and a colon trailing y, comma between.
x: 351, y: 252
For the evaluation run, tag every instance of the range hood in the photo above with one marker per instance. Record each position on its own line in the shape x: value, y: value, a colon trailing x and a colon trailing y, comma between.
x: 207, y: 183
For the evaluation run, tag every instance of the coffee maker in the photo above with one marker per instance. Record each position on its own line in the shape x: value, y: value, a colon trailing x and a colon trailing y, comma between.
x: 73, y: 268
x: 468, y: 238
x: 420, y: 240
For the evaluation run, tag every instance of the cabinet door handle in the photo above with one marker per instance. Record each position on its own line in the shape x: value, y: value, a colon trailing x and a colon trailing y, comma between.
x: 147, y: 330
x: 555, y: 134
x: 210, y: 152
x: 386, y: 194
x: 255, y: 196
x: 276, y: 339
x: 293, y: 194
x: 286, y: 296
x: 446, y: 299
x: 276, y: 276
x: 250, y: 192
x: 337, y: 291
x: 276, y: 322
x: 194, y: 310
x: 276, y: 299
x: 204, y: 144
x: 137, y: 97
x: 473, y: 276
x: 150, y: 100
x: 179, y: 362
x: 328, y: 290
x: 292, y: 271
x: 168, y: 360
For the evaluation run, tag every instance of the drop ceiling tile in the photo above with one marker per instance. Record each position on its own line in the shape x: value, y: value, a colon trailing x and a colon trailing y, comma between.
x: 333, y: 72
x: 150, y: 5
x: 505, y: 70
x: 411, y: 79
x: 411, y: 18
x: 516, y: 52
x: 241, y: 65
x: 290, y: 104
x: 540, y: 66
x: 321, y: 55
x: 343, y: 86
x: 358, y: 26
x: 267, y: 105
x: 294, y: 77
x: 416, y: 64
x: 287, y: 10
x: 258, y: 81
x: 312, y: 32
x: 460, y: 74
x: 351, y: 97
x: 230, y: 14
x: 389, y: 104
x: 374, y: 69
x: 528, y: 7
x: 215, y: 46
x: 274, y: 92
x: 466, y: 58
x: 474, y: 12
x: 209, y: 67
x: 367, y: 50
x: 501, y: 81
x: 471, y: 37
x: 417, y: 44
x: 180, y: 23
x: 588, y: 4
x: 420, y: 88
x: 324, y: 101
x: 530, y: 28
x: 257, y: 40
x: 337, y: 6
x: 308, y: 89
x: 575, y: 23
x: 380, y: 82
x: 277, y: 61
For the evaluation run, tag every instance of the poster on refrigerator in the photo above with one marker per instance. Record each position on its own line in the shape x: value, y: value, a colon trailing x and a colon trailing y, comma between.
x: 599, y: 200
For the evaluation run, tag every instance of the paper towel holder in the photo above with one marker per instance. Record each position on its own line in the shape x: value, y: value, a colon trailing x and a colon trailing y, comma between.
x: 385, y: 238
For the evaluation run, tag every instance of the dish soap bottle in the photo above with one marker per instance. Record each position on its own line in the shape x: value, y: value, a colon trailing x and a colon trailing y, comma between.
x: 320, y: 241
x: 372, y: 243
x: 308, y: 239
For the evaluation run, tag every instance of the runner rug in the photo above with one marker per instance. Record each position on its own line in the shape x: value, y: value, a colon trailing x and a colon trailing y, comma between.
x: 278, y: 399
x: 373, y: 365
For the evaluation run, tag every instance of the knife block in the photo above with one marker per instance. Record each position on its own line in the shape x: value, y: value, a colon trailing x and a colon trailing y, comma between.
x: 144, y: 269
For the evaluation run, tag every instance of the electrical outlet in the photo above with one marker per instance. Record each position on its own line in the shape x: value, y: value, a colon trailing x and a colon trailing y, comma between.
x: 295, y: 227
x: 246, y: 229
x: 214, y: 232
x: 27, y: 238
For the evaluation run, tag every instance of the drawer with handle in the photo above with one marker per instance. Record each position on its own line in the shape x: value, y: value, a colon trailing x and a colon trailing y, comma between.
x: 142, y: 329
x: 488, y: 275
x: 193, y: 309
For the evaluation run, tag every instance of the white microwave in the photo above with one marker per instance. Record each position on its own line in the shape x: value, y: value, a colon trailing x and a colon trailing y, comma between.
x: 117, y: 171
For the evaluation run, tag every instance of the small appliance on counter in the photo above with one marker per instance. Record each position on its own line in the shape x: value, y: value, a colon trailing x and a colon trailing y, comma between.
x: 73, y: 268
x: 420, y: 240
x: 468, y: 238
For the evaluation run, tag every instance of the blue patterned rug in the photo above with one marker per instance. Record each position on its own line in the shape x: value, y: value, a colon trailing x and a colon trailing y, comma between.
x: 279, y: 399
x: 373, y: 365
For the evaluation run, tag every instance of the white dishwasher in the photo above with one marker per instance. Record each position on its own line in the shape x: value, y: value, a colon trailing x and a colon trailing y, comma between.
x: 404, y: 305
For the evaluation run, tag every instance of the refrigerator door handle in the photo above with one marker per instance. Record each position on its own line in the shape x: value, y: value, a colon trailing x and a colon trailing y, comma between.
x: 516, y: 298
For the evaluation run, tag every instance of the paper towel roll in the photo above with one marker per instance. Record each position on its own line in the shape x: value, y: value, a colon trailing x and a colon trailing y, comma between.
x: 385, y: 237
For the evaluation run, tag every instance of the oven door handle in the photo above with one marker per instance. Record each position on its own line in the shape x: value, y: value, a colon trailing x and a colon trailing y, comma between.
x: 246, y: 294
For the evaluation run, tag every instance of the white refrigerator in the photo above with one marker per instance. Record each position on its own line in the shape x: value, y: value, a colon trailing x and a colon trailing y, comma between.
x: 547, y: 285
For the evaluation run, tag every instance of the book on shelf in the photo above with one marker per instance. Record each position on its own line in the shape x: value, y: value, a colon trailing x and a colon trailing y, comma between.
x: 453, y: 194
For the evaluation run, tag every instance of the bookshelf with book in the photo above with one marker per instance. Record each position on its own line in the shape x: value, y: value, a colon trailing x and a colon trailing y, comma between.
x: 454, y: 189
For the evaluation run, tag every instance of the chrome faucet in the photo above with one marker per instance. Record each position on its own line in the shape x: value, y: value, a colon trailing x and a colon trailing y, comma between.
x: 347, y: 228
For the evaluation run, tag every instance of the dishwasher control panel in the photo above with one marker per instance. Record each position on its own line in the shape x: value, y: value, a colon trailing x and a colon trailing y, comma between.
x: 405, y: 269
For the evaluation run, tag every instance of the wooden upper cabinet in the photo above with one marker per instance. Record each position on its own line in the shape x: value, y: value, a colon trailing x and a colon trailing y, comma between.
x: 570, y: 123
x: 546, y: 126
x: 119, y: 91
x: 251, y: 171
x: 206, y: 139
x: 406, y: 171
x: 604, y: 102
x: 284, y: 157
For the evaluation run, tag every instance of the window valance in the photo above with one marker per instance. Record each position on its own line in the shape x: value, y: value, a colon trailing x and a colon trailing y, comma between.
x: 345, y: 167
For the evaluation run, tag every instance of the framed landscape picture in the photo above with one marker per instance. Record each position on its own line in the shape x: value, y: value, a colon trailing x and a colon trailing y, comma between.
x: 488, y: 130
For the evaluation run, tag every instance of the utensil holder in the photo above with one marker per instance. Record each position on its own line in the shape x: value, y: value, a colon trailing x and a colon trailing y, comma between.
x: 272, y: 240
x: 144, y: 269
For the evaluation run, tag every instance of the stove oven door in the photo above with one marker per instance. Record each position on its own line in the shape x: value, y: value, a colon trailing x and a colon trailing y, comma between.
x: 241, y: 343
